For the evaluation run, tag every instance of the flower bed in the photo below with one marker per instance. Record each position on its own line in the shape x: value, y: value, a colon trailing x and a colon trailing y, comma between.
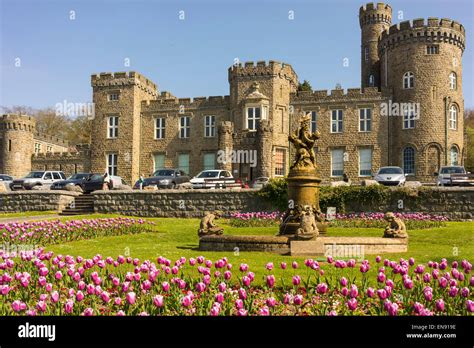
x: 41, y: 233
x: 44, y: 284
x: 363, y: 220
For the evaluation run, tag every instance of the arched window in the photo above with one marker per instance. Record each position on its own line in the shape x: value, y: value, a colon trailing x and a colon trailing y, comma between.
x: 408, y: 80
x: 454, y: 155
x: 409, y: 160
x: 453, y: 117
x: 453, y: 81
x: 371, y: 81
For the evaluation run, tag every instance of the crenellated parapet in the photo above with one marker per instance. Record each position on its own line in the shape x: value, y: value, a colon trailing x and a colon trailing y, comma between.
x: 51, y: 139
x: 352, y: 94
x: 433, y: 30
x: 375, y: 13
x: 187, y: 103
x: 15, y: 122
x: 262, y: 68
x: 119, y: 79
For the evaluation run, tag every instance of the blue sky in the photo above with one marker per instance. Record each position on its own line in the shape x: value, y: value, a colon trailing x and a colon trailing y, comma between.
x: 189, y: 57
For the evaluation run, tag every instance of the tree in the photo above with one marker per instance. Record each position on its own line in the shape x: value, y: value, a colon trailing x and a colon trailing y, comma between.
x: 305, y: 86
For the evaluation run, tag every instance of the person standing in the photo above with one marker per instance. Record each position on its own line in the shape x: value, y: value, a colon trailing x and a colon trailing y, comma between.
x: 106, y: 185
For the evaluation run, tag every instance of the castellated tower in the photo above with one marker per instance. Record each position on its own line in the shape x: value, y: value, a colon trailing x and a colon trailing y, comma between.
x: 116, y: 129
x: 373, y: 19
x: 421, y: 65
x: 16, y: 144
x: 266, y: 87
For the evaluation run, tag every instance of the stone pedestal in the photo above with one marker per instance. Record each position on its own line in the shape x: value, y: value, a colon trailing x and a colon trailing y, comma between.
x: 303, y: 190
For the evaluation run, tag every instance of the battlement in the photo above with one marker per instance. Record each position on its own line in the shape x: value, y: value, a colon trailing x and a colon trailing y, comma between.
x: 262, y: 68
x: 336, y: 94
x: 17, y: 122
x: 51, y: 139
x: 220, y: 101
x: 375, y: 13
x: 430, y: 30
x: 59, y: 155
x: 130, y: 78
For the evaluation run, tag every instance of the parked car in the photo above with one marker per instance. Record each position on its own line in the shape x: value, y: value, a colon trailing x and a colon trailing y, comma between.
x: 390, y: 176
x: 37, y: 178
x: 212, y: 179
x: 96, y: 182
x: 165, y: 178
x: 452, y: 175
x: 6, y: 180
x: 75, y: 179
x: 260, y: 182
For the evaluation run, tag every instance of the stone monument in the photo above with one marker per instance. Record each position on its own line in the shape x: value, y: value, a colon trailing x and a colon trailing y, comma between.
x: 207, y: 226
x: 303, y: 184
x: 396, y: 228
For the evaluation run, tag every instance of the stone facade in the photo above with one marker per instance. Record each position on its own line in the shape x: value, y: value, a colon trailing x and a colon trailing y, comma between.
x: 21, y: 201
x: 69, y: 162
x: 414, y: 65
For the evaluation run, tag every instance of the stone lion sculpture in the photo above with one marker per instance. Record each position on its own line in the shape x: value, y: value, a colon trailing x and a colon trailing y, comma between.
x: 396, y: 228
x: 207, y: 226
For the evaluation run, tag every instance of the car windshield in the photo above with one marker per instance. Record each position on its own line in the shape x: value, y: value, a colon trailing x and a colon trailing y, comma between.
x: 452, y: 170
x: 163, y: 173
x: 35, y: 175
x: 78, y: 176
x: 96, y: 177
x: 208, y: 174
x: 391, y: 171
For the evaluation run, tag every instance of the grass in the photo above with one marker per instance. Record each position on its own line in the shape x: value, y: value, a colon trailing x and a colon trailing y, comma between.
x: 27, y: 213
x: 178, y: 237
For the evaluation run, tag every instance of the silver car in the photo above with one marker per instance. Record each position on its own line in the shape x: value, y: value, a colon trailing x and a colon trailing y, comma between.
x: 37, y: 178
x: 6, y: 180
x: 444, y: 175
x: 390, y: 176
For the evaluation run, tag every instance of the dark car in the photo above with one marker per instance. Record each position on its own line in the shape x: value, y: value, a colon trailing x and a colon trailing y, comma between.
x: 165, y: 178
x: 96, y: 182
x: 75, y: 179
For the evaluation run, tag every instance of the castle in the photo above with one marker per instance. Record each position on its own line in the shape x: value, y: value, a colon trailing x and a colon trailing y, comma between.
x: 408, y: 112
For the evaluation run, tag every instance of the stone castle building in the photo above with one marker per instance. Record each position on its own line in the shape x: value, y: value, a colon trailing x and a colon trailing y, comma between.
x: 408, y: 112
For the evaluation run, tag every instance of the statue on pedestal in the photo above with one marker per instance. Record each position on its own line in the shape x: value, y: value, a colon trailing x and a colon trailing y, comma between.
x: 303, y: 141
x: 308, y: 229
x: 207, y: 226
x: 396, y: 228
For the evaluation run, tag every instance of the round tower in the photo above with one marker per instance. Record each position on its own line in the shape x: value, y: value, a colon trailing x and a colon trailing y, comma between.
x: 373, y: 19
x: 16, y: 144
x: 422, y: 75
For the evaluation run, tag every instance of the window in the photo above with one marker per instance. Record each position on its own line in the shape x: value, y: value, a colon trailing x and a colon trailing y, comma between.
x: 408, y: 80
x: 49, y: 148
x: 366, y: 53
x: 9, y: 144
x: 365, y: 120
x: 48, y: 176
x: 56, y: 176
x: 432, y: 49
x: 158, y: 162
x: 209, y: 161
x: 37, y: 147
x: 280, y: 165
x: 112, y: 163
x: 265, y: 112
x: 408, y: 118
x: 253, y: 118
x: 184, y: 127
x: 371, y: 81
x: 365, y: 162
x: 113, y: 127
x: 337, y: 162
x: 183, y: 162
x: 336, y: 121
x: 210, y: 126
x: 453, y: 81
x: 113, y: 96
x: 160, y: 124
x: 454, y: 155
x: 453, y: 117
x: 314, y: 121
x: 409, y: 160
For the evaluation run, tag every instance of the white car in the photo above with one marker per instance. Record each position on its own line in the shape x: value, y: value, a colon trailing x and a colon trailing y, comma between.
x: 444, y: 175
x: 214, y: 178
x: 390, y: 176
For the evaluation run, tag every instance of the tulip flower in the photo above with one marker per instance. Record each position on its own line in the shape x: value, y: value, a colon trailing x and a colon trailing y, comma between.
x: 270, y: 281
x: 352, y: 304
x: 296, y: 280
x: 439, y: 305
x: 131, y: 297
x: 298, y: 299
x: 158, y: 301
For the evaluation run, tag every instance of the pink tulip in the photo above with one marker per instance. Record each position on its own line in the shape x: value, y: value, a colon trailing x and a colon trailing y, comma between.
x: 158, y: 301
x: 343, y: 281
x: 131, y: 297
x: 283, y: 265
x: 296, y: 279
x: 68, y: 306
x: 269, y: 266
x: 352, y: 304
x: 370, y: 292
x: 227, y: 275
x: 200, y: 287
x: 186, y: 301
x: 344, y: 291
x: 88, y: 312
x: 465, y: 292
x: 165, y: 286
x: 270, y: 281
x: 294, y: 264
x: 222, y: 287
x: 79, y: 296
x: 264, y: 311
x: 215, y: 310
x: 440, y: 305
x: 470, y: 306
x: 242, y: 294
x: 242, y: 312
x: 239, y: 304
x: 322, y: 288
x: 298, y: 299
x: 381, y: 277
x: 271, y: 302
x: 382, y: 294
x: 244, y: 267
x: 41, y: 306
x: 54, y: 296
x: 219, y: 297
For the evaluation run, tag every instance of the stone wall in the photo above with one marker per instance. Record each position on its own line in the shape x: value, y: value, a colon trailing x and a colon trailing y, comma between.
x: 177, y: 203
x: 456, y: 203
x: 21, y: 201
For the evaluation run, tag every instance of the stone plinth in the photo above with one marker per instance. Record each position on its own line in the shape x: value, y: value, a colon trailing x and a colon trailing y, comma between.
x: 348, y: 247
x: 274, y: 244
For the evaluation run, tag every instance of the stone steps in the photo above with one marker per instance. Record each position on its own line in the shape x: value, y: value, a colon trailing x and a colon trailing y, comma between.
x: 83, y: 204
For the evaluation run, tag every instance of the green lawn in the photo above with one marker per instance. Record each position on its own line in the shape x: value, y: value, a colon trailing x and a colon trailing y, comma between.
x: 178, y: 237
